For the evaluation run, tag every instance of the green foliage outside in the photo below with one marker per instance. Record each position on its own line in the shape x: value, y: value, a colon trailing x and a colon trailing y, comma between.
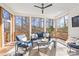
x: 65, y: 29
x: 50, y: 29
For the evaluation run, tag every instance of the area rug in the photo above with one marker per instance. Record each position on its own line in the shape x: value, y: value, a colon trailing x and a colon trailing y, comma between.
x: 44, y: 50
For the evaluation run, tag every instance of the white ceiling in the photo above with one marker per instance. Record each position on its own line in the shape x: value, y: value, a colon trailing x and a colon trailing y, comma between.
x: 29, y: 9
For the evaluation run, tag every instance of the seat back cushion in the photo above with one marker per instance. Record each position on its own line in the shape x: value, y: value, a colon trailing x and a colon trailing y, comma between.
x: 21, y: 37
x: 34, y: 36
x: 46, y: 34
x: 40, y: 34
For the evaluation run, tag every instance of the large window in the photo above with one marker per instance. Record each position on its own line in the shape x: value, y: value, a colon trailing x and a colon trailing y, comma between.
x: 62, y: 24
x: 37, y: 24
x: 6, y: 18
x: 62, y: 28
x: 25, y: 26
x: 22, y: 25
x: 18, y: 23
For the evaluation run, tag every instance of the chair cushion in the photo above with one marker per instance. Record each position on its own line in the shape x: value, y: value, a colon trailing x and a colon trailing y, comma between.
x: 40, y: 35
x: 77, y: 42
x: 73, y: 45
x: 24, y: 39
x: 46, y: 34
x: 34, y: 36
x: 25, y: 44
x: 21, y: 37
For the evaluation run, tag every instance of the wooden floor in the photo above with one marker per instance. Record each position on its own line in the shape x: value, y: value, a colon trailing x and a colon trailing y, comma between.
x: 6, y: 49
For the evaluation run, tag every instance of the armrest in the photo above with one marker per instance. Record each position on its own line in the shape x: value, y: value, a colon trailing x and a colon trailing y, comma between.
x: 23, y: 42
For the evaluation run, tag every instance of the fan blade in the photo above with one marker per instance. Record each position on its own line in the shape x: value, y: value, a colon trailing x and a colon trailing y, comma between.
x: 48, y: 5
x: 37, y: 6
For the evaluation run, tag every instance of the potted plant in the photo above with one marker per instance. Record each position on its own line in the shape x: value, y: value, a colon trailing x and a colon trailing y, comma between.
x: 50, y: 30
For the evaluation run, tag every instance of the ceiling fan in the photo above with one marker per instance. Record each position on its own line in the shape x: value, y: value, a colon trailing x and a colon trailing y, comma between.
x: 43, y: 7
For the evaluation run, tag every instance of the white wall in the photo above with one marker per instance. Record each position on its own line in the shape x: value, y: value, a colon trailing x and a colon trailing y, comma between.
x: 73, y: 31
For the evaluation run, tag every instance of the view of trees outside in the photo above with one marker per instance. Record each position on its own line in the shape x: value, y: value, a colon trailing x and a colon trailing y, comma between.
x: 18, y: 24
x: 37, y: 24
x: 25, y: 26
x: 62, y: 28
x: 6, y: 18
x: 22, y: 25
x: 49, y: 26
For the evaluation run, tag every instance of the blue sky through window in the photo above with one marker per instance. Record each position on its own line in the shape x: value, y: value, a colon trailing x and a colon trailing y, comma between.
x: 18, y: 20
x: 62, y: 22
x: 6, y: 15
x: 37, y: 22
